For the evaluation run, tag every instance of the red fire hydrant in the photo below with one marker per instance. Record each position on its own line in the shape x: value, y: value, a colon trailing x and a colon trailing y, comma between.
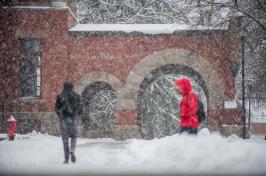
x: 12, y: 124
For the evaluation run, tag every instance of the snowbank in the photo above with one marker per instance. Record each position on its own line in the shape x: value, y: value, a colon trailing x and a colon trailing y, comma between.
x: 178, y: 154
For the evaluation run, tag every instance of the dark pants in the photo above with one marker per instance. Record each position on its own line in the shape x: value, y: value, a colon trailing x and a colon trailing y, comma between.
x: 66, y: 146
x: 69, y: 130
x: 189, y: 130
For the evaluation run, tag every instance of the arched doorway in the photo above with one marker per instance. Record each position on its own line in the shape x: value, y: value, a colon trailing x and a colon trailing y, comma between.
x: 158, y: 102
x: 99, y: 106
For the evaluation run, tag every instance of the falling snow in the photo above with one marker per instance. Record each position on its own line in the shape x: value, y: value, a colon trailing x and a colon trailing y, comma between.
x: 162, y: 150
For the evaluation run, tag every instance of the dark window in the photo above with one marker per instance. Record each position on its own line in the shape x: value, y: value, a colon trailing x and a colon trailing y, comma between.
x: 30, y: 80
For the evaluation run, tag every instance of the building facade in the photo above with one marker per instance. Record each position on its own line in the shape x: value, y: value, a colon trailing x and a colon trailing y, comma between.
x: 42, y: 46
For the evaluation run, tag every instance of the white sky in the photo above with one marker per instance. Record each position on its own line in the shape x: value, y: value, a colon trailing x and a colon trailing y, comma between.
x: 177, y: 154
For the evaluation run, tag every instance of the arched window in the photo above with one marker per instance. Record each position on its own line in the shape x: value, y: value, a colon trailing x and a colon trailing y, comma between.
x: 158, y: 101
x: 99, y: 106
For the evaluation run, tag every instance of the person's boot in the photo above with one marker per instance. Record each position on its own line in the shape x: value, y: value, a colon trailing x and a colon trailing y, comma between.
x: 66, y: 161
x: 72, y: 149
x: 66, y: 150
x: 73, y: 157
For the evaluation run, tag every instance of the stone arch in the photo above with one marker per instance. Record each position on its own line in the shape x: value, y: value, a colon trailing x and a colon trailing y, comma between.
x: 158, y: 102
x: 174, y: 69
x: 89, y: 78
x: 214, y: 83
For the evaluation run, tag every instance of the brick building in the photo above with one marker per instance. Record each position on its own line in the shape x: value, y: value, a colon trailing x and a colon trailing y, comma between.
x: 42, y: 46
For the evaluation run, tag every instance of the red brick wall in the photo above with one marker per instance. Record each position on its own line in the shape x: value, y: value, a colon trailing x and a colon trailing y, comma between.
x: 51, y: 26
x: 129, y: 50
x: 66, y: 57
x: 126, y: 117
x: 258, y: 128
x: 219, y: 117
x: 126, y: 51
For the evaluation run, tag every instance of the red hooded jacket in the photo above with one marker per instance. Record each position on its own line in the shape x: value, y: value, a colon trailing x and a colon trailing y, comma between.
x: 188, y: 104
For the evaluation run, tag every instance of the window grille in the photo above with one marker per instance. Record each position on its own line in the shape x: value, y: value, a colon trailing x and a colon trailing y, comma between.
x: 30, y: 80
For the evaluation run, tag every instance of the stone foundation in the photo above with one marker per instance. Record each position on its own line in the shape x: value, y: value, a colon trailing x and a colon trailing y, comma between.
x: 258, y: 128
x: 126, y: 131
x: 227, y: 130
x: 44, y: 122
x: 48, y: 122
x: 120, y: 132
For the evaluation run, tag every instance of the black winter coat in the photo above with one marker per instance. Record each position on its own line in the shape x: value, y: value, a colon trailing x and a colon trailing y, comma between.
x: 68, y: 104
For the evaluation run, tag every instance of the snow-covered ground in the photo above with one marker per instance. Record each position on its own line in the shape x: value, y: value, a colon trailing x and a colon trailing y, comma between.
x: 207, y: 153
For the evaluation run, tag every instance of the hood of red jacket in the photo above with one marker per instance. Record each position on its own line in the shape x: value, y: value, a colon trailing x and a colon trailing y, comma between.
x: 184, y: 84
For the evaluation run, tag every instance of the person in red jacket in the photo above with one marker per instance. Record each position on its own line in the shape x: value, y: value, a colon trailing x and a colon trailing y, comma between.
x: 188, y: 106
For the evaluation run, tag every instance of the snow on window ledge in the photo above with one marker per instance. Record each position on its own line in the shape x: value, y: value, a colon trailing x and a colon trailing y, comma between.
x: 31, y: 99
x: 36, y: 7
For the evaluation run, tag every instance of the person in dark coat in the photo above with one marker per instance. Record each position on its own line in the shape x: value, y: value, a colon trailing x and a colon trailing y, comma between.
x: 68, y: 107
x: 188, y: 106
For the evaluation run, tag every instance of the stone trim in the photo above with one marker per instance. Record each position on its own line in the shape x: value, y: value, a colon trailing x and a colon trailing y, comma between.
x: 31, y: 99
x: 228, y: 130
x: 127, y: 94
x: 126, y: 104
x: 214, y: 83
x: 49, y: 122
x: 89, y: 78
x: 123, y: 132
x: 29, y: 34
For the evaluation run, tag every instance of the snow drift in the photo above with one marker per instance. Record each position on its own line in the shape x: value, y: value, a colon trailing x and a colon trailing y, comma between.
x: 207, y: 153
